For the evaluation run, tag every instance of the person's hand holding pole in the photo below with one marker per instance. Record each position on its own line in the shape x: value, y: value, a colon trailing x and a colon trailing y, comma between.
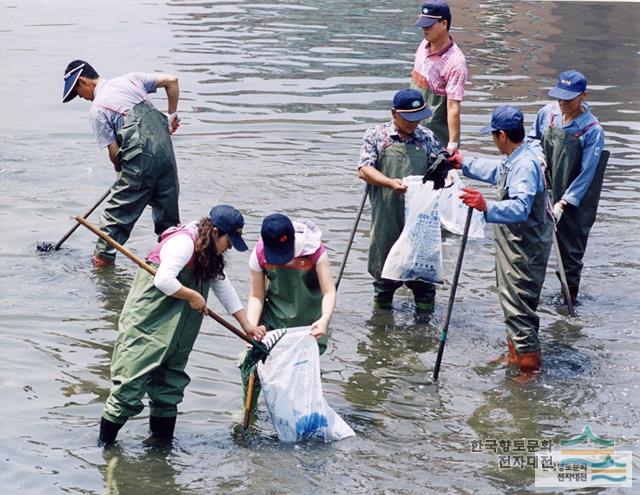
x: 473, y: 198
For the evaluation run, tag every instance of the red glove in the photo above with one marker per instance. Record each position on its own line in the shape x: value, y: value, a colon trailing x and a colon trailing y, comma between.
x: 472, y: 197
x: 456, y: 159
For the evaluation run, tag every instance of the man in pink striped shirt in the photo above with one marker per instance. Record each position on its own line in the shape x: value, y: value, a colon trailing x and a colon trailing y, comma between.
x: 440, y: 72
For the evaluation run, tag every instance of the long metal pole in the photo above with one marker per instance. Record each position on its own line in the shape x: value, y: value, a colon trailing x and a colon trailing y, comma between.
x: 352, y: 234
x: 452, y: 294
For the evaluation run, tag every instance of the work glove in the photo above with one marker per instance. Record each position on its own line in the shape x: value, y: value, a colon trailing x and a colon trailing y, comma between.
x: 439, y: 169
x: 558, y: 210
x: 456, y: 159
x: 473, y: 198
x: 174, y: 122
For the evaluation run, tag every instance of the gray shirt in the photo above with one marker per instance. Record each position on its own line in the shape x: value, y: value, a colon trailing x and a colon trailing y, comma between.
x: 113, y: 98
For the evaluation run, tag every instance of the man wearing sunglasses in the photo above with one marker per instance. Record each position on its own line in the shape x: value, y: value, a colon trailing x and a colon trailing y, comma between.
x: 138, y: 139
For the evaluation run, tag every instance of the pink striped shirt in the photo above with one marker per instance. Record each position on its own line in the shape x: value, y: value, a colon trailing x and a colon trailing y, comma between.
x: 444, y: 72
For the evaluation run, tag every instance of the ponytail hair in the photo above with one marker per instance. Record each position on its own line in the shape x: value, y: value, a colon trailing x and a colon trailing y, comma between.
x: 209, y: 265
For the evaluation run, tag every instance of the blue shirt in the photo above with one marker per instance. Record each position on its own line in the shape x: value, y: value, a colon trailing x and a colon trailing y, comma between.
x: 524, y: 180
x: 592, y: 142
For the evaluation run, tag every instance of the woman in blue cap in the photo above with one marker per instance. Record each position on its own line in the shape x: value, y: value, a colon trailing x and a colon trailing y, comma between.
x: 573, y: 142
x: 291, y: 281
x: 161, y: 319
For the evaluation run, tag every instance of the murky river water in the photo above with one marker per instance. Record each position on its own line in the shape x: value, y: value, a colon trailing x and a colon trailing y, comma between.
x: 275, y: 98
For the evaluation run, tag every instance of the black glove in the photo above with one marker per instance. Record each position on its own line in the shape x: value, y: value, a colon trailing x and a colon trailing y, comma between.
x: 439, y: 169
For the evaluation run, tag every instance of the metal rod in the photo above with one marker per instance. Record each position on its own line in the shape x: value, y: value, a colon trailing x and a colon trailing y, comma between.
x: 452, y: 294
x: 352, y: 234
x: 85, y: 215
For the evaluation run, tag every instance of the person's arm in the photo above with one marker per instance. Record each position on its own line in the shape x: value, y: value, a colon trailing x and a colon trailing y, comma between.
x: 482, y: 169
x: 373, y: 176
x: 174, y: 255
x: 453, y: 123
x: 592, y: 148
x: 328, y: 288
x: 257, y: 292
x: 114, y: 149
x: 228, y: 296
x: 170, y: 84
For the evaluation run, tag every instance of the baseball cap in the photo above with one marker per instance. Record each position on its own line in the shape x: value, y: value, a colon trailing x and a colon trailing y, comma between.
x: 229, y: 221
x: 571, y: 83
x: 410, y: 104
x: 504, y: 118
x: 432, y: 12
x: 278, y: 237
x: 73, y: 71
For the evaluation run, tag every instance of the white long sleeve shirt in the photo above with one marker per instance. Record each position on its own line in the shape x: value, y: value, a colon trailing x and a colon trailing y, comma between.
x: 174, y: 255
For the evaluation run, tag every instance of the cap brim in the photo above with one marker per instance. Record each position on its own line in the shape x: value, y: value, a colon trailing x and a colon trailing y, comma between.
x: 487, y: 129
x: 425, y: 113
x: 69, y: 93
x: 563, y: 94
x: 238, y: 242
x: 279, y: 256
x: 426, y: 21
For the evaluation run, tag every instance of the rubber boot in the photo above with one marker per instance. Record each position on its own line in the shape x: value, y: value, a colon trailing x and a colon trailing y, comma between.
x: 108, y: 432
x: 423, y: 307
x: 512, y: 356
x: 100, y: 262
x: 573, y: 293
x: 530, y: 363
x: 162, y: 428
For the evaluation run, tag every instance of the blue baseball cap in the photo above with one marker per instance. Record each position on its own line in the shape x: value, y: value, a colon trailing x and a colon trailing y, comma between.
x: 432, y: 12
x: 279, y: 238
x: 504, y: 118
x: 410, y: 104
x: 571, y: 83
x: 229, y: 221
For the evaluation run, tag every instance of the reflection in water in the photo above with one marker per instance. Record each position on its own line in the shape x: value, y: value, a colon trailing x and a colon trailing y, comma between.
x: 275, y: 98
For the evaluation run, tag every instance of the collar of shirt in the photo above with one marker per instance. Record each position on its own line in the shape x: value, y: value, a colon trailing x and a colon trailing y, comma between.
x: 99, y: 87
x: 579, y: 122
x: 518, y: 153
x: 393, y: 134
x: 441, y: 51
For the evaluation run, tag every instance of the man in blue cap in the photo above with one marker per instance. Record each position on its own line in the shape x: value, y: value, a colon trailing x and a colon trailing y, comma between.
x: 440, y: 72
x: 573, y: 143
x: 522, y: 229
x: 138, y: 139
x: 390, y: 152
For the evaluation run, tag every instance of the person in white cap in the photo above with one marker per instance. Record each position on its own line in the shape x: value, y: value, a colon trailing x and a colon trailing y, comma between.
x: 138, y: 138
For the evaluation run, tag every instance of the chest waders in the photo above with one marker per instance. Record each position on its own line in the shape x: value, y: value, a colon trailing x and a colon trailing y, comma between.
x: 522, y: 252
x: 563, y: 152
x: 293, y: 299
x: 149, y: 177
x: 438, y: 122
x: 387, y: 221
x: 156, y: 334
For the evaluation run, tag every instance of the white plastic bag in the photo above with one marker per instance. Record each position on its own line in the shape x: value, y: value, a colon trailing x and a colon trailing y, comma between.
x: 290, y: 379
x: 453, y: 212
x: 417, y: 254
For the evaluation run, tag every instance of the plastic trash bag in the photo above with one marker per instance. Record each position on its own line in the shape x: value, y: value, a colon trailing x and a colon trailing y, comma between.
x: 453, y: 212
x: 417, y: 254
x: 290, y: 379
